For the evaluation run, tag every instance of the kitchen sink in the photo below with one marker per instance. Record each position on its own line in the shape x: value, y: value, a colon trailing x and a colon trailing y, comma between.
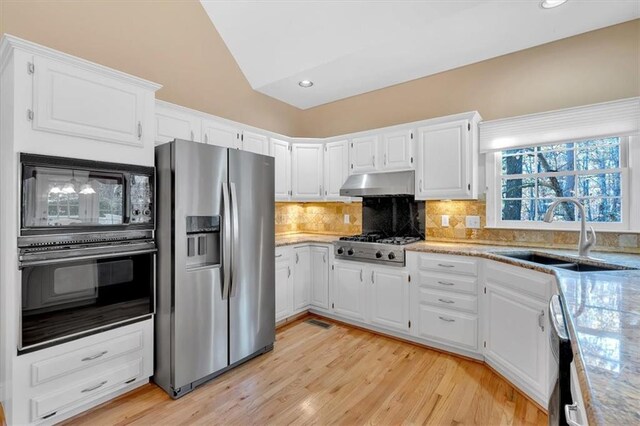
x: 538, y: 258
x: 569, y: 265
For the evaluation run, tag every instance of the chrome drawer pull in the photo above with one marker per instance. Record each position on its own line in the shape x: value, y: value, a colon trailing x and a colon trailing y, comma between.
x: 96, y: 356
x: 446, y: 301
x: 445, y: 283
x: 444, y: 265
x: 447, y: 319
x: 92, y: 388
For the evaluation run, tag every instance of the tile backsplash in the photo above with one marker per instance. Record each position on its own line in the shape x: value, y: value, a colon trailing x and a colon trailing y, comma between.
x: 328, y: 218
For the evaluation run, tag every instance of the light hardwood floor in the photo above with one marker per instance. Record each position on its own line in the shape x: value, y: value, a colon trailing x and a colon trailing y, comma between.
x: 339, y: 375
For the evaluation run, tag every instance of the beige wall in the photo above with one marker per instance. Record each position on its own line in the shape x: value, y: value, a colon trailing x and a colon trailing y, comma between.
x: 593, y: 67
x: 169, y: 42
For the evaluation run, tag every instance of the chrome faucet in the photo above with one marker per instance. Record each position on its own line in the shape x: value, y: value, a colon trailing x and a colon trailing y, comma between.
x: 586, y: 241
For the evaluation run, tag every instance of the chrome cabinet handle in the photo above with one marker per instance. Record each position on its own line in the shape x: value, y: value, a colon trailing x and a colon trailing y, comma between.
x: 96, y: 356
x: 372, y: 277
x: 360, y: 275
x: 447, y: 319
x: 446, y: 301
x: 92, y: 388
x: 192, y: 136
x: 139, y: 130
x: 541, y: 320
x: 320, y: 190
x: 373, y: 161
x: 279, y: 255
x: 420, y: 185
x: 288, y: 271
x: 324, y: 258
x: 297, y: 258
x: 385, y: 158
x: 444, y: 265
x: 445, y: 283
x: 206, y: 138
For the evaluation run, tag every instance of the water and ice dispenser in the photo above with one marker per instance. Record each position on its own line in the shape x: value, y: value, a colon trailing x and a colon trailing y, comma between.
x: 203, y: 241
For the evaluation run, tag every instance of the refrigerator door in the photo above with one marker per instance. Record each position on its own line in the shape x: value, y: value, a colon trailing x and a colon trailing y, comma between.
x: 200, y: 327
x: 252, y: 296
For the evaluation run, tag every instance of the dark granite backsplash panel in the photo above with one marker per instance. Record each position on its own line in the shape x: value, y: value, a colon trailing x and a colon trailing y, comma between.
x: 393, y: 216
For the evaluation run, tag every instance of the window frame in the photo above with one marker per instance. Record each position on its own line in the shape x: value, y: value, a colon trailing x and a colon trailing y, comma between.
x: 629, y: 156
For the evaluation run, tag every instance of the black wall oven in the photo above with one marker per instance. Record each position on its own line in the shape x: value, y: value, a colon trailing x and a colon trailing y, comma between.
x: 86, y: 248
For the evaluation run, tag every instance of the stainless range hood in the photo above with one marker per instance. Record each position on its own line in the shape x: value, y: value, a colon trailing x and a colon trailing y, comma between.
x: 379, y: 184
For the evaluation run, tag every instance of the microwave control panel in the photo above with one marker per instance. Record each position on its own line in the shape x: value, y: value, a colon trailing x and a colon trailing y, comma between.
x: 141, y: 196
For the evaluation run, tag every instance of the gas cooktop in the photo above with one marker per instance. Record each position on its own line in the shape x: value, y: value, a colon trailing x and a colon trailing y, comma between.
x: 373, y: 248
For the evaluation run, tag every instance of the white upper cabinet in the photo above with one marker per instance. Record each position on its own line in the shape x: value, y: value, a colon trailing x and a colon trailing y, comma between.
x: 73, y: 100
x: 306, y: 180
x: 254, y: 142
x: 176, y: 123
x: 220, y: 134
x: 363, y: 154
x: 281, y: 151
x: 447, y: 160
x: 397, y: 152
x: 336, y: 168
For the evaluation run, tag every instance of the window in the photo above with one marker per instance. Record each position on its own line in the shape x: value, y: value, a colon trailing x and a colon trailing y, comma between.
x: 529, y: 179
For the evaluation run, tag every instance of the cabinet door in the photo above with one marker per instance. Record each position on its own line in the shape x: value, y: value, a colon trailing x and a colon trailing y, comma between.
x: 336, y: 168
x: 175, y: 124
x: 306, y: 180
x: 397, y: 150
x: 220, y: 134
x: 280, y: 150
x: 349, y: 291
x: 389, y: 298
x: 363, y: 153
x: 444, y: 168
x: 301, y: 278
x: 284, y: 294
x: 73, y: 101
x: 254, y: 142
x: 516, y: 337
x: 320, y: 276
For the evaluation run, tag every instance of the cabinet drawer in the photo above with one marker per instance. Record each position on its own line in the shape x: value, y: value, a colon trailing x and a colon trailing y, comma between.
x: 448, y: 282
x: 48, y: 404
x: 449, y: 300
x: 448, y: 326
x: 456, y: 265
x: 49, y: 369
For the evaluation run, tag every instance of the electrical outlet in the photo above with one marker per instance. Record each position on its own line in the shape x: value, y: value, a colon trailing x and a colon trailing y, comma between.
x: 346, y: 219
x: 445, y: 220
x: 472, y: 222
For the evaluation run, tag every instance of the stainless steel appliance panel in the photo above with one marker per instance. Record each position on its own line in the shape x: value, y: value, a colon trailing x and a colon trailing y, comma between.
x: 200, y: 336
x: 252, y: 298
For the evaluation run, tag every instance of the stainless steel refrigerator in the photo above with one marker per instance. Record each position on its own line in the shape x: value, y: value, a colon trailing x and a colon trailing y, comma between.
x: 216, y: 262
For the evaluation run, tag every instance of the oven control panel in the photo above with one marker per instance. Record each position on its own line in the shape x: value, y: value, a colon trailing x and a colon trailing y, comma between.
x: 388, y: 254
x: 140, y: 199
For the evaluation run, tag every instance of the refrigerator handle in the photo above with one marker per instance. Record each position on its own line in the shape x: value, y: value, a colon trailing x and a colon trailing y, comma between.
x: 226, y: 242
x: 236, y: 237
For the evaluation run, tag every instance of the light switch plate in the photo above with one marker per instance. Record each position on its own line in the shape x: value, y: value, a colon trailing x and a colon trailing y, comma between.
x: 445, y: 220
x: 346, y: 219
x: 472, y: 222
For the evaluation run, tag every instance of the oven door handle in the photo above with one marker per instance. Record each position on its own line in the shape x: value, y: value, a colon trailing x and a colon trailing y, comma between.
x: 26, y: 263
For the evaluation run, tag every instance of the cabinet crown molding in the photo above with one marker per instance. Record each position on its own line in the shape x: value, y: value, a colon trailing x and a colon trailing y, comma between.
x: 9, y: 43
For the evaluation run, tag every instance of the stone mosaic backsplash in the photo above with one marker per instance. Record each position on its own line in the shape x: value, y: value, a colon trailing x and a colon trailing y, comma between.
x: 328, y: 218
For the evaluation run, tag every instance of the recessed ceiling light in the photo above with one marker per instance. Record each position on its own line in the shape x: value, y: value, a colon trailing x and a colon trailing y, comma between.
x: 305, y: 83
x: 550, y: 4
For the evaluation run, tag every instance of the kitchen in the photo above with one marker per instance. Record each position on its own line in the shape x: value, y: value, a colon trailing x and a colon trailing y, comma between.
x: 354, y: 232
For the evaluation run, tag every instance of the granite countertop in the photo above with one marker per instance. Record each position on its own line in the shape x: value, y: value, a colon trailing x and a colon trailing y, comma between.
x: 604, y: 325
x: 291, y: 239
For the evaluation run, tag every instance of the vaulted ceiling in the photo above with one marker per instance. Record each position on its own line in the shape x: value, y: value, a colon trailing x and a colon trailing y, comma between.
x: 352, y: 47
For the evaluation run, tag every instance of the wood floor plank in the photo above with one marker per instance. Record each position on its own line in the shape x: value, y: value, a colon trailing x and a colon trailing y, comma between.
x: 339, y: 375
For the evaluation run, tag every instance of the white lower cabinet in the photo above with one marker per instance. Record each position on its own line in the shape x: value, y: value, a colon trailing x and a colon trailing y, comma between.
x: 349, y: 290
x: 284, y: 283
x: 319, y: 256
x: 389, y: 298
x: 301, y: 278
x: 516, y: 327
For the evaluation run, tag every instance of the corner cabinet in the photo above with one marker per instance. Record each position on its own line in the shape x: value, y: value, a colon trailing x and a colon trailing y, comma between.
x: 281, y: 152
x: 336, y: 169
x: 306, y: 179
x: 447, y: 159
